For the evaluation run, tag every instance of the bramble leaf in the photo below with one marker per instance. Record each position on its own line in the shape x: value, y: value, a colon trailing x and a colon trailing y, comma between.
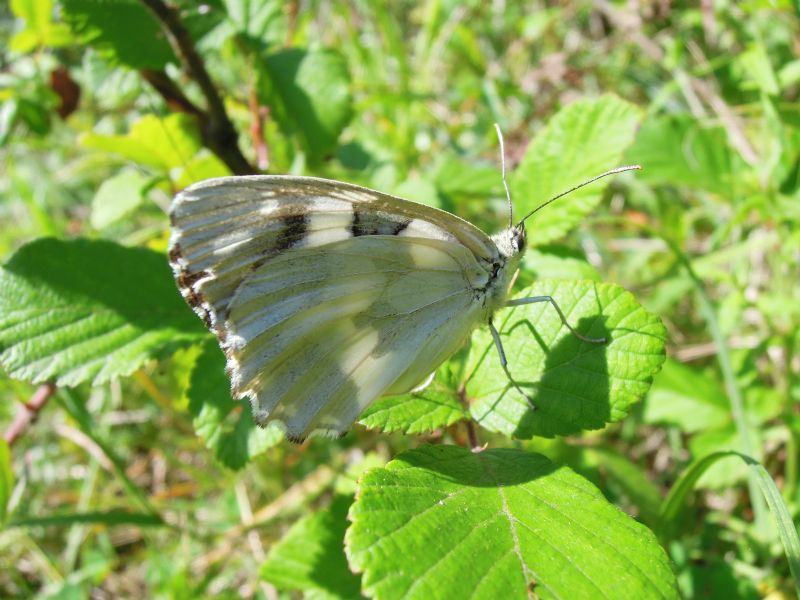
x: 420, y: 412
x: 88, y: 310
x: 312, y: 89
x: 116, y: 29
x: 226, y: 425
x: 581, y: 141
x: 310, y: 556
x: 573, y: 384
x: 502, y: 523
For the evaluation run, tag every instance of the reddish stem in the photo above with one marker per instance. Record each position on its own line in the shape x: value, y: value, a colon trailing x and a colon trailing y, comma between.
x: 28, y: 411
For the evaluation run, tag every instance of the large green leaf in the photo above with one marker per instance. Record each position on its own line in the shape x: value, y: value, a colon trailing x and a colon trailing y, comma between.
x: 573, y: 384
x: 225, y: 425
x: 444, y: 522
x: 83, y: 310
x: 420, y: 412
x: 313, y: 91
x: 310, y: 556
x: 159, y: 143
x: 584, y: 139
x: 122, y: 30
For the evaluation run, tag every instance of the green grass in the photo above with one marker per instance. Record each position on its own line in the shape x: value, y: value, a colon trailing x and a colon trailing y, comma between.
x: 138, y: 478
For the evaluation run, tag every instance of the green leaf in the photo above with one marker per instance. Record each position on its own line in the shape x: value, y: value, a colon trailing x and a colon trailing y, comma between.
x: 688, y: 398
x: 116, y: 197
x: 313, y: 89
x: 501, y: 523
x: 310, y: 556
x: 203, y: 166
x: 85, y: 310
x: 679, y: 493
x: 40, y: 30
x: 680, y: 151
x: 226, y: 425
x: 584, y: 139
x: 117, y: 29
x: 755, y: 62
x: 6, y: 479
x: 262, y: 22
x: 787, y: 531
x: 574, y: 384
x: 159, y: 143
x: 432, y: 408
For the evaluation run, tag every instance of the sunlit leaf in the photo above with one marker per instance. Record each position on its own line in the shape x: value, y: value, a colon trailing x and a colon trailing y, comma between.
x: 86, y: 310
x: 310, y: 556
x: 116, y: 197
x: 40, y: 29
x: 313, y: 89
x: 582, y: 140
x: 686, y: 397
x: 225, y: 425
x: 159, y: 143
x: 420, y: 412
x: 501, y: 523
x: 573, y: 384
x: 117, y: 29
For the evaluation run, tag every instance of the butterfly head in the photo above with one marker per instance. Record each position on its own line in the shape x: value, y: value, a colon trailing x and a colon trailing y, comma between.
x: 511, y: 242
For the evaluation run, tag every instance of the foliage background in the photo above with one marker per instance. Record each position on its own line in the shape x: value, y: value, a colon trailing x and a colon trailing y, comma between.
x: 97, y: 132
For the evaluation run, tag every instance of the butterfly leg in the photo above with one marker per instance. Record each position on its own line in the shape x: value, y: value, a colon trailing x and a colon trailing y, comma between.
x: 535, y: 299
x: 504, y: 363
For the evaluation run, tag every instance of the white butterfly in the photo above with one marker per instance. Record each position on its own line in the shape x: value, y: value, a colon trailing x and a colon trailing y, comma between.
x: 326, y: 295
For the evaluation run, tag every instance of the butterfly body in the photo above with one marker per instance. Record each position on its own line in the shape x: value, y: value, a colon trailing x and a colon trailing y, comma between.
x: 326, y: 295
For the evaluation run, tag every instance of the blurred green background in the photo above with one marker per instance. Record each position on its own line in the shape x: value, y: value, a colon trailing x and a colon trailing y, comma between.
x: 97, y: 133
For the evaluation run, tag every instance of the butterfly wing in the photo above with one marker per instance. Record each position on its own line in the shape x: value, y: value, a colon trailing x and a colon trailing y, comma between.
x: 326, y: 295
x: 222, y: 229
x: 316, y: 334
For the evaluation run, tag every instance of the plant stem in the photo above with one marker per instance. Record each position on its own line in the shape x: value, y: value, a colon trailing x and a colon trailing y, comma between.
x: 217, y: 130
x: 28, y: 411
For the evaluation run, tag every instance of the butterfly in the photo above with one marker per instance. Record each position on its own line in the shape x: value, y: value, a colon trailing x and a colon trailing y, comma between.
x: 326, y: 295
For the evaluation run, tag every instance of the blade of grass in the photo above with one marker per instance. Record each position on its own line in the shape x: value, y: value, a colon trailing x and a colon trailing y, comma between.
x: 774, y: 500
x: 729, y: 378
x: 734, y: 394
x: 111, y: 517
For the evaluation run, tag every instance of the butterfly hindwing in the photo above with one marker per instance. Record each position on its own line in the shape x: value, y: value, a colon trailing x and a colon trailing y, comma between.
x: 318, y: 333
x: 326, y: 295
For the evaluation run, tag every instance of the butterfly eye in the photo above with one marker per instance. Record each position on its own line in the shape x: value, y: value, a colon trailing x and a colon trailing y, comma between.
x: 519, y: 238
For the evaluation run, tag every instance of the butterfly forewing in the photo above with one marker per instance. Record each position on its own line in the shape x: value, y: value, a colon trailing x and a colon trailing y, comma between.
x: 326, y: 295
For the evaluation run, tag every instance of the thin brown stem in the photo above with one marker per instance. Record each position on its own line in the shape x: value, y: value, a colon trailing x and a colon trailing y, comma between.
x: 170, y: 92
x: 28, y: 411
x: 258, y: 115
x: 472, y: 432
x: 217, y: 130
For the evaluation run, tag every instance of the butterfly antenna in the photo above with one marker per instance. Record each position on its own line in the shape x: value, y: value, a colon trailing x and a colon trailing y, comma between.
x: 580, y: 185
x: 503, y: 174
